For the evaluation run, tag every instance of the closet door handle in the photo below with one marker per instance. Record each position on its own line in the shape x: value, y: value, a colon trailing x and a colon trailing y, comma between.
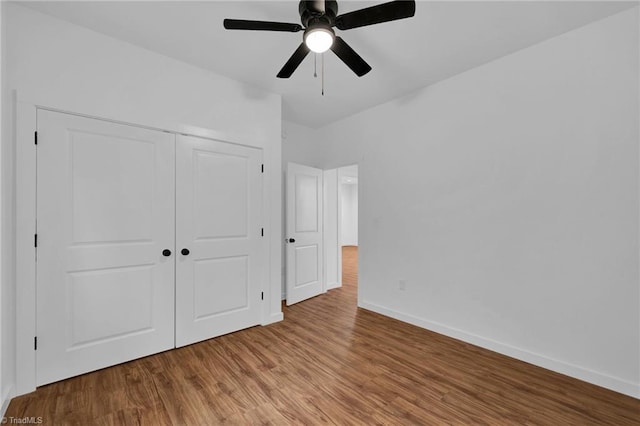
x: 166, y: 252
x: 185, y: 252
x: 292, y: 240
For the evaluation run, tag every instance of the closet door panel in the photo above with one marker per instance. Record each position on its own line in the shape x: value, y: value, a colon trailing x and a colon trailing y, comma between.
x: 218, y: 214
x: 105, y: 212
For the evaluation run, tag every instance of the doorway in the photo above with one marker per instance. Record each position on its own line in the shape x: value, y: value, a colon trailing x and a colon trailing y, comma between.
x: 348, y: 226
x: 341, y: 226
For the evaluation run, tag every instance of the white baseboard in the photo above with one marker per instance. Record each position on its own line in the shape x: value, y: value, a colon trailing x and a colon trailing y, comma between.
x: 6, y: 399
x: 590, y: 376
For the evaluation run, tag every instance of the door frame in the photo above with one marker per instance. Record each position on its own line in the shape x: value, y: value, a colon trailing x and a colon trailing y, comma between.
x: 25, y: 125
x: 341, y: 173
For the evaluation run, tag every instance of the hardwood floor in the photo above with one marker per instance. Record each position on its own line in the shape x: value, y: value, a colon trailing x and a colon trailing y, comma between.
x: 350, y: 271
x: 327, y: 362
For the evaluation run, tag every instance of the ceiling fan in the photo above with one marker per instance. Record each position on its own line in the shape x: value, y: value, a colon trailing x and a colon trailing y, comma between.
x: 318, y: 19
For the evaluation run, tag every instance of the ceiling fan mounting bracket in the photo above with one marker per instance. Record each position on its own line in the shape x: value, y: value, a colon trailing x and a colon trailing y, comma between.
x: 312, y: 12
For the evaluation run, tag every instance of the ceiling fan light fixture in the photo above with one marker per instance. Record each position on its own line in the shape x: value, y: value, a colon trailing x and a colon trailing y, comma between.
x: 319, y: 39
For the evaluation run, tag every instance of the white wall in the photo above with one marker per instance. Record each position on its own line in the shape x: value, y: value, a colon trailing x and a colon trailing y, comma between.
x: 60, y: 65
x: 507, y: 198
x: 349, y: 215
x: 300, y: 145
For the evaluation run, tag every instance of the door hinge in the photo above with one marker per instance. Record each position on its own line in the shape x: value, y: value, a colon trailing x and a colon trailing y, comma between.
x: 35, y: 240
x: 262, y: 296
x: 35, y: 137
x: 262, y: 232
x: 262, y: 169
x: 35, y: 343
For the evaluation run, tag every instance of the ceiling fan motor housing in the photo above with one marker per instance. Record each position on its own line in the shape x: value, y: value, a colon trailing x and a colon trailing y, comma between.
x: 312, y: 13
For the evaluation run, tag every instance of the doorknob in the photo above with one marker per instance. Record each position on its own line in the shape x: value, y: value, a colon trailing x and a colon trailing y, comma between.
x: 185, y: 252
x: 166, y: 252
x: 292, y: 240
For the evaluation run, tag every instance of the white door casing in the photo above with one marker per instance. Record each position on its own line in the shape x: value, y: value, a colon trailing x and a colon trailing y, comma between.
x: 105, y: 213
x: 304, y: 236
x: 218, y: 212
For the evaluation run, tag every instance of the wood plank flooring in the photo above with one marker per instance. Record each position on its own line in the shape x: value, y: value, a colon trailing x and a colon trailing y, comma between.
x: 327, y: 363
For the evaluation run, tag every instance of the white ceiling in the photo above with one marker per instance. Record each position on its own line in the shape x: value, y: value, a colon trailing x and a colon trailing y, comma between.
x: 443, y: 39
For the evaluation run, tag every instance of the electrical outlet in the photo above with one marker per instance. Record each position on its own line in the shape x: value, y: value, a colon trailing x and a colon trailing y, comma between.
x: 402, y: 285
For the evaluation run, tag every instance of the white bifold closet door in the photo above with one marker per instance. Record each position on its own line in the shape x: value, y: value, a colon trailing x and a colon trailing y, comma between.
x: 218, y: 213
x: 105, y: 292
x: 113, y: 282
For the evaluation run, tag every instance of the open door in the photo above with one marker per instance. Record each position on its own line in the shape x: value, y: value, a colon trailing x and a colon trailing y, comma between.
x: 304, y: 232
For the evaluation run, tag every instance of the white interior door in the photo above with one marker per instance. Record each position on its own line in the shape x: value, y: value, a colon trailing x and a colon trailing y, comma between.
x: 105, y: 291
x: 304, y: 233
x: 219, y: 238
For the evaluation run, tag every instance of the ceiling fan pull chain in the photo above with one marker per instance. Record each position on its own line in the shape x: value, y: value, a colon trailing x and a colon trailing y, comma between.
x: 315, y: 67
x: 322, y: 74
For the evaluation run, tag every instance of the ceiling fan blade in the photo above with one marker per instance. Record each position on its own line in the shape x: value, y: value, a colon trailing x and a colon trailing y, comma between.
x: 241, y: 24
x: 385, y: 12
x: 293, y: 62
x: 350, y: 57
